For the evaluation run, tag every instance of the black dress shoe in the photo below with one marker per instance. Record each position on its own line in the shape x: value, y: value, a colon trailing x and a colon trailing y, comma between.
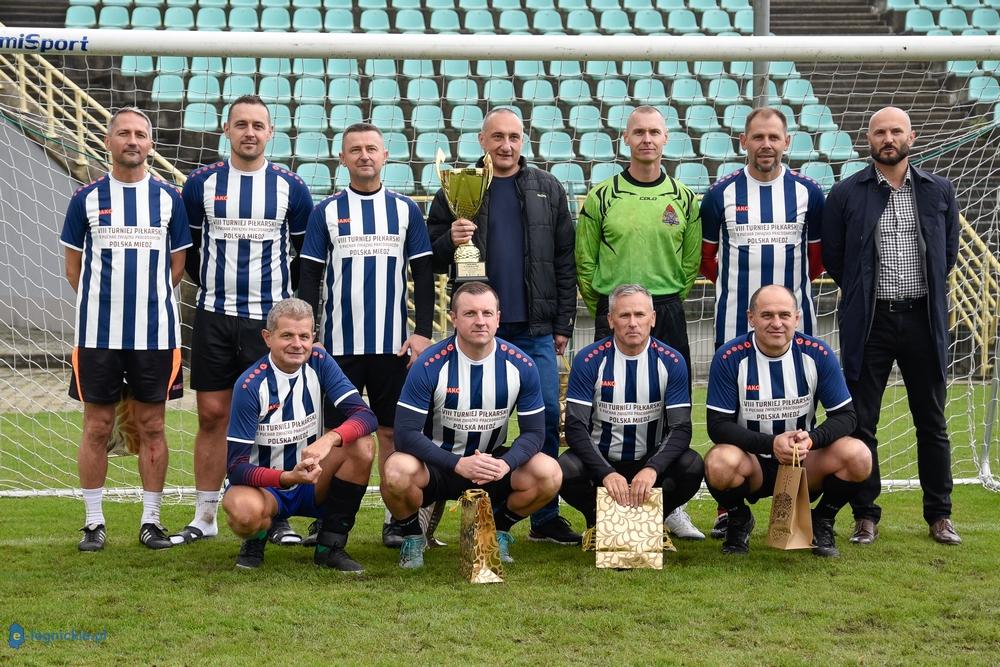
x: 943, y: 531
x: 865, y: 531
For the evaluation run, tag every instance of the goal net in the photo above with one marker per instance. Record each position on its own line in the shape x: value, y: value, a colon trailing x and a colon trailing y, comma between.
x: 574, y: 95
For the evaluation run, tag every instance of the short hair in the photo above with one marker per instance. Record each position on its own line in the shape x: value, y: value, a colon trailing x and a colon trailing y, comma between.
x: 131, y: 109
x: 474, y: 287
x: 297, y: 309
x: 628, y: 289
x: 765, y: 112
x: 499, y: 110
x: 249, y: 99
x: 753, y: 297
x: 361, y: 127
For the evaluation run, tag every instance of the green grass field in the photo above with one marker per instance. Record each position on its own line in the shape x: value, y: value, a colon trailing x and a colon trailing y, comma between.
x: 905, y: 600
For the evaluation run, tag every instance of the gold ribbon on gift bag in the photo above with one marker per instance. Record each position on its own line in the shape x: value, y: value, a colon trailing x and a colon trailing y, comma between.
x: 124, y: 439
x: 790, y: 526
x: 629, y: 537
x: 479, y: 551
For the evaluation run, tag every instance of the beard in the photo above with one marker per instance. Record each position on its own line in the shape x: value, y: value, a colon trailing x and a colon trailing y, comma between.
x: 894, y: 159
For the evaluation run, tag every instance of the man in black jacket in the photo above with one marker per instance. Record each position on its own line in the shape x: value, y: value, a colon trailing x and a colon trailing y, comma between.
x: 525, y: 235
x: 890, y: 238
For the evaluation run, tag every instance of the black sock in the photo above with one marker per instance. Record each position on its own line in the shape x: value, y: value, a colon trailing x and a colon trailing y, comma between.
x: 343, y: 500
x: 732, y: 500
x: 410, y: 525
x: 836, y: 493
x: 505, y: 518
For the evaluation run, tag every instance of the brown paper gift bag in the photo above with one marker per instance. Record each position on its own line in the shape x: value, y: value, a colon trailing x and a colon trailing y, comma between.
x: 479, y: 551
x: 790, y: 526
x: 629, y: 537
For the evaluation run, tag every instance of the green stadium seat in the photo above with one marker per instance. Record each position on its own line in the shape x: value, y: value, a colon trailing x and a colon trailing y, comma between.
x: 670, y: 5
x: 682, y: 21
x: 702, y: 6
x: 456, y: 69
x: 673, y: 69
x: 974, y: 32
x: 281, y: 116
x: 138, y: 3
x: 555, y: 147
x: 935, y: 5
x: 800, y: 148
x: 984, y: 89
x: 429, y: 178
x: 374, y: 20
x: 790, y: 116
x: 427, y: 118
x: 743, y: 21
x: 468, y: 147
x: 701, y: 118
x: 732, y: 6
x: 741, y: 69
x: 953, y: 19
x: 275, y: 89
x: 851, y: 167
x: 312, y: 146
x: 596, y: 147
x: 307, y: 20
x: 434, y: 5
x: 499, y: 92
x: 301, y: 4
x: 648, y: 21
x: 567, y: 6
x: 275, y: 67
x: 967, y: 4
x: 671, y: 118
x: 603, y: 171
x: 538, y: 91
x: 536, y: 5
x: 717, y: 146
x: 275, y: 19
x: 423, y: 91
x: 798, y: 92
x: 310, y: 118
x: 113, y: 17
x: 503, y: 5
x: 724, y: 92
x: 462, y: 91
x: 444, y: 21
x: 285, y: 4
x: 527, y: 70
x: 817, y: 118
x: 601, y: 6
x: 678, y: 147
x: 771, y: 93
x: 581, y: 21
x: 479, y: 21
x: 203, y: 88
x: 345, y: 91
x: 238, y: 85
x: 547, y: 21
x: 919, y: 21
x: 940, y: 32
x: 686, y: 91
x: 418, y: 69
x: 706, y: 70
x: 585, y: 118
x: 341, y: 179
x: 821, y: 172
x: 615, y: 22
x: 618, y: 116
x: 570, y: 175
x: 81, y: 16
x: 427, y: 145
x: 990, y: 67
x: 384, y: 91
x: 241, y: 66
x: 210, y: 19
x: 339, y: 20
x: 466, y: 118
x: 309, y: 90
x: 201, y: 117
x: 779, y: 70
x: 172, y: 65
x: 636, y: 6
x: 694, y: 175
x: 513, y: 20
x: 612, y: 91
x: 986, y: 18
x: 388, y: 118
x: 647, y: 91
x: 146, y: 18
x: 137, y: 65
x: 168, y: 88
x: 900, y: 5
x: 372, y: 4
x: 344, y: 115
x: 398, y: 177
x: 243, y: 19
x: 727, y: 168
x: 342, y: 67
x: 308, y: 67
x: 574, y: 91
x: 220, y: 4
x: 565, y: 69
x: 206, y: 65
x: 410, y: 21
x: 225, y: 148
x: 637, y: 69
x: 492, y: 69
x: 715, y: 21
x: 734, y: 117
x: 316, y: 176
x: 601, y: 69
x: 380, y: 68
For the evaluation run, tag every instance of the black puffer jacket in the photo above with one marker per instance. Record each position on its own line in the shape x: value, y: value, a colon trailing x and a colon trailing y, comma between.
x: 550, y: 266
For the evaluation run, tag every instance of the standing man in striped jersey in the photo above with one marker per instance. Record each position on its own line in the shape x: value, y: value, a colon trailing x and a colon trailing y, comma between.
x: 628, y: 415
x: 246, y: 214
x: 125, y: 238
x: 364, y: 237
x: 451, y: 427
x: 760, y: 226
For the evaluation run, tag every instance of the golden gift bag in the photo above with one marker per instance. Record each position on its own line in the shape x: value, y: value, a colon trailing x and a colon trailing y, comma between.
x: 629, y: 537
x: 480, y: 553
x: 790, y: 526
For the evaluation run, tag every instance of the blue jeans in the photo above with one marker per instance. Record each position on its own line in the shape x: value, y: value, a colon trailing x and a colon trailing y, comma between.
x: 543, y: 351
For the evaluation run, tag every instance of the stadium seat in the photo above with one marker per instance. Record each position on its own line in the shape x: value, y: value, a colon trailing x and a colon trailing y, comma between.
x: 837, y: 146
x: 637, y: 69
x: 137, y: 65
x: 986, y: 18
x: 279, y: 148
x: 427, y: 118
x: 723, y: 92
x: 701, y: 118
x: 178, y: 18
x: 310, y: 90
x: 984, y: 89
x: 479, y: 21
x: 345, y: 91
x: 585, y: 118
x: 238, y: 85
x: 743, y: 21
x: 429, y: 179
x: 615, y: 22
x: 281, y: 116
x: 790, y: 117
x: 384, y: 91
x: 468, y: 147
x: 821, y: 172
x: 953, y: 19
x: 990, y: 67
x: 603, y: 171
x: 172, y: 65
x: 310, y: 118
x: 201, y: 117
x: 735, y: 5
x: 341, y: 179
x: 734, y: 117
x: 243, y: 19
x: 601, y: 69
x: 798, y: 92
x: 963, y: 69
x: 492, y: 69
x: 555, y: 147
x: 547, y: 21
x: 673, y: 69
x: 717, y: 146
x: 618, y: 116
x: 398, y: 177
x: 538, y: 91
x: 275, y: 19
x: 581, y: 21
x: 312, y: 146
x: 79, y: 16
x: 388, y: 118
x: 268, y: 3
x: 564, y: 69
x: 444, y: 21
x: 596, y: 147
x: 456, y: 69
x: 851, y: 167
x: 702, y: 6
x: 967, y: 4
x: 714, y: 21
x: 410, y: 21
x: 706, y: 70
x: 241, y: 66
x: 546, y: 118
x: 210, y: 19
x: 678, y: 147
x: 298, y: 4
x: 221, y: 4
x: 275, y: 89
x: 648, y: 22
x: 635, y: 6
x: 570, y: 175
x: 574, y: 91
x: 647, y: 91
x: 817, y: 118
x: 338, y: 20
x: 601, y: 6
x: 274, y: 67
x: 571, y: 5
x: 800, y: 148
x: 686, y: 91
x: 206, y: 65
x: 727, y: 168
x: 499, y: 92
x: 374, y: 20
x: 771, y: 94
x: 316, y: 176
x: 900, y: 5
x: 203, y: 88
x: 741, y: 69
x: 308, y: 67
x: 536, y: 5
x: 423, y: 91
x: 682, y: 21
x: 694, y: 175
x: 427, y: 145
x: 466, y: 118
x: 380, y: 68
x: 934, y: 5
x: 613, y: 91
x: 779, y: 70
x: 418, y: 69
x: 513, y: 20
x: 462, y: 91
x: 526, y: 70
x: 344, y: 115
x: 919, y: 21
x: 439, y: 4
x: 670, y: 117
x: 147, y: 18
x: 113, y: 17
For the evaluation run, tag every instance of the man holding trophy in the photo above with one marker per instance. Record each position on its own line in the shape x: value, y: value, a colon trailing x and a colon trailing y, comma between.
x: 520, y: 240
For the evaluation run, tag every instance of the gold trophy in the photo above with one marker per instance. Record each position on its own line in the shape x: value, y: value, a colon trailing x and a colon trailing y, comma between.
x: 465, y: 190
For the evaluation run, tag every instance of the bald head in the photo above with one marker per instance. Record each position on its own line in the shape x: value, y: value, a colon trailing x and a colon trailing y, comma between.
x: 893, y: 115
x: 890, y: 136
x: 501, y: 138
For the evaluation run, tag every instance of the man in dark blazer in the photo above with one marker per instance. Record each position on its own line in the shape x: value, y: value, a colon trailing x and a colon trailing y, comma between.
x: 890, y: 237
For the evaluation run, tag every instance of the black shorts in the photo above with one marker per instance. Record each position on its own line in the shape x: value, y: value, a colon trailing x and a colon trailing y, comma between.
x: 222, y: 347
x: 381, y: 376
x: 769, y: 467
x: 100, y: 376
x: 449, y: 485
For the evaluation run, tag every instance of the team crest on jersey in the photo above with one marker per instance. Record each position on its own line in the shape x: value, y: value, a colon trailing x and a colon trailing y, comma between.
x: 670, y: 216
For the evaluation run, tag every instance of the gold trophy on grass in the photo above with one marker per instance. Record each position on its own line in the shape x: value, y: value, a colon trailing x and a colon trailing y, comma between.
x: 465, y: 190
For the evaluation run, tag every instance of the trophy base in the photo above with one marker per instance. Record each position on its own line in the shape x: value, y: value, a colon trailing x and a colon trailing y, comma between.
x: 466, y: 272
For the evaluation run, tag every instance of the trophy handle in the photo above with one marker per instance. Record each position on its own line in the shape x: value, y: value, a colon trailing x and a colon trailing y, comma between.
x: 438, y: 161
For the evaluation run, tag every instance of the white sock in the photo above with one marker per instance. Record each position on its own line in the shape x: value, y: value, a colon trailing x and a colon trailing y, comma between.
x: 206, y: 505
x: 93, y: 503
x: 388, y: 516
x: 151, y: 507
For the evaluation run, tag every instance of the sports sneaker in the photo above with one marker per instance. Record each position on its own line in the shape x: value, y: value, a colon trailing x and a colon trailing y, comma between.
x: 187, y: 535
x: 719, y: 527
x: 504, y: 540
x: 679, y: 523
x: 330, y: 553
x: 314, y: 528
x: 391, y: 537
x: 824, y: 539
x: 153, y: 536
x: 556, y: 530
x: 251, y: 553
x: 411, y: 553
x: 282, y: 534
x: 93, y: 537
x: 738, y: 529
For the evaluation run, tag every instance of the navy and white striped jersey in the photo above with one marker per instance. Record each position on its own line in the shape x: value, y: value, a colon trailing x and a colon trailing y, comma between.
x: 763, y: 230
x: 365, y: 241
x: 246, y: 219
x: 127, y: 233
x: 628, y: 395
x: 275, y: 415
x: 468, y: 403
x: 774, y: 395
